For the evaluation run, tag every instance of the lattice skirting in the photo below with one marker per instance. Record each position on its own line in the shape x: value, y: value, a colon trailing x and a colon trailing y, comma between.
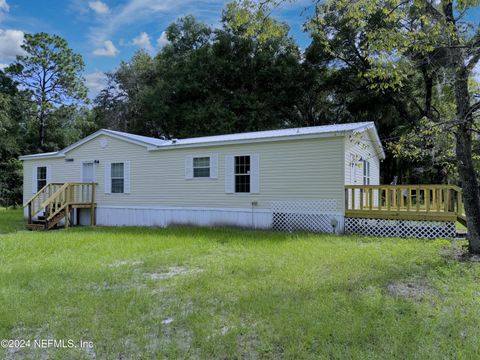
x: 400, y: 228
x: 306, y: 215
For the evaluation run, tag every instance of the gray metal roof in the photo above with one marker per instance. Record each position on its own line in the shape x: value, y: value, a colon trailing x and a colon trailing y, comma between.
x: 269, y: 135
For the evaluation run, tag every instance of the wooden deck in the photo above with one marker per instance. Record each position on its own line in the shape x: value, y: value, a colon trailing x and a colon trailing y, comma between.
x: 405, y: 202
x: 56, y: 201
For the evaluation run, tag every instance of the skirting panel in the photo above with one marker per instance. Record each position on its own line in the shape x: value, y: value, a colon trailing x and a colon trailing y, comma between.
x: 307, y: 215
x: 400, y: 228
x: 162, y: 217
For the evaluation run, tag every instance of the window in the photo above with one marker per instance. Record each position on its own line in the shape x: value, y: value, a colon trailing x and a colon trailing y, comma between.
x: 118, y: 180
x: 41, y: 177
x: 242, y: 174
x: 201, y: 167
x: 366, y: 172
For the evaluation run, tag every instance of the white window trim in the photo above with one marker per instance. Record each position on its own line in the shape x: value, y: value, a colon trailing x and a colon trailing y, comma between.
x: 126, y: 177
x: 254, y: 175
x: 366, y: 174
x: 117, y: 178
x: 189, y: 168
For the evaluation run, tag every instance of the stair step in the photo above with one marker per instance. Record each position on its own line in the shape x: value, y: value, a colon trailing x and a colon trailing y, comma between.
x: 35, y: 227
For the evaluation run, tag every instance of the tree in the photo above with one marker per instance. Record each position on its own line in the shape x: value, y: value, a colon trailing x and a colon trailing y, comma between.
x: 404, y: 33
x: 51, y: 72
x: 206, y: 82
x: 11, y: 113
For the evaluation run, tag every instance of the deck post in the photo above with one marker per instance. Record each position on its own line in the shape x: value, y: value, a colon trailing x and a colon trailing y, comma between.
x: 29, y: 213
x: 92, y: 211
x: 67, y: 216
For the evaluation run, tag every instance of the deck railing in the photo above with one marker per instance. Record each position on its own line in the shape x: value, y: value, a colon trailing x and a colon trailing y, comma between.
x: 408, y: 202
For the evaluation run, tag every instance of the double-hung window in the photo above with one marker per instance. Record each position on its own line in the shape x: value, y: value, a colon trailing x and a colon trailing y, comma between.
x: 366, y: 172
x: 201, y: 167
x: 41, y: 177
x: 118, y: 178
x: 242, y: 174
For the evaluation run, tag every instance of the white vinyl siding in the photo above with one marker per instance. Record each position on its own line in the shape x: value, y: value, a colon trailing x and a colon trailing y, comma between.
x: 255, y: 173
x: 296, y: 169
x: 107, y: 180
x: 229, y: 174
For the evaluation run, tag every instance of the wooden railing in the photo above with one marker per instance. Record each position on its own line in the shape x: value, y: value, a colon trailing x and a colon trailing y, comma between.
x: 35, y: 203
x: 408, y: 202
x: 57, y: 197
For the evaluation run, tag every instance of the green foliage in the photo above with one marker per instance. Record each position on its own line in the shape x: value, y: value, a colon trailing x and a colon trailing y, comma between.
x: 205, y: 82
x: 52, y: 73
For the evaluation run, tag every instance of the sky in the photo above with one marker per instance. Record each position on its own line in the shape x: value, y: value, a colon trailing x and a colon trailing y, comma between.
x: 108, y: 31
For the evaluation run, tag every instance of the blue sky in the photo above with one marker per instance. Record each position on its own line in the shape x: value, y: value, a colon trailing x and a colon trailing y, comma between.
x: 108, y: 31
x: 105, y: 32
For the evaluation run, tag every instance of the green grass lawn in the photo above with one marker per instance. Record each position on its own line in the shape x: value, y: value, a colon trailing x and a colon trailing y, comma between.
x: 221, y: 293
x: 11, y: 220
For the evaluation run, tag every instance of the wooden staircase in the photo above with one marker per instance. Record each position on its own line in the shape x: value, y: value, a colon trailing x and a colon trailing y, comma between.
x: 56, y: 202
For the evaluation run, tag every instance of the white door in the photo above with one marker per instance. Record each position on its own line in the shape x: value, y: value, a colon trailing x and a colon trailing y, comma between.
x: 88, y: 176
x: 87, y: 173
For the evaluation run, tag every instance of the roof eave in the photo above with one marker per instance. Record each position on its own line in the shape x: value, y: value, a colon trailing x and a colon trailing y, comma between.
x: 258, y: 140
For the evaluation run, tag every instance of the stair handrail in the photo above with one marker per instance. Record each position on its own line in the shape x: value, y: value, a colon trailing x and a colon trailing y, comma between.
x: 34, y: 200
x: 54, y: 195
x: 37, y: 194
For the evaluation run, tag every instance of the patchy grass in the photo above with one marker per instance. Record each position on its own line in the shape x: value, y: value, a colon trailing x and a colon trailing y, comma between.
x: 11, y: 220
x: 223, y: 293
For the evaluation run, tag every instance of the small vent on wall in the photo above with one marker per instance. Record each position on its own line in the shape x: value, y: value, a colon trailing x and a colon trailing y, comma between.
x: 69, y: 160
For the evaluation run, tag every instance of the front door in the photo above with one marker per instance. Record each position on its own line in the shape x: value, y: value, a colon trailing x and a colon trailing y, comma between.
x: 87, y: 173
x: 88, y: 176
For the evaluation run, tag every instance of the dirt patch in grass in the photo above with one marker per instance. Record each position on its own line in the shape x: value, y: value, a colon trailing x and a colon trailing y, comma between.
x: 121, y: 263
x: 171, y: 272
x: 416, y: 289
x: 459, y: 253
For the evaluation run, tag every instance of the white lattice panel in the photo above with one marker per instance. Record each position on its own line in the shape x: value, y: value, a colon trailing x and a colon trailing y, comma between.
x: 400, y: 228
x: 305, y: 215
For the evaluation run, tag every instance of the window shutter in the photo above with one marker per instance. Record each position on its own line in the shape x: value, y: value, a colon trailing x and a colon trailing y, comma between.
x: 229, y: 174
x: 214, y: 166
x: 108, y: 178
x: 49, y: 174
x: 126, y: 177
x: 189, y: 167
x: 34, y: 179
x: 254, y: 173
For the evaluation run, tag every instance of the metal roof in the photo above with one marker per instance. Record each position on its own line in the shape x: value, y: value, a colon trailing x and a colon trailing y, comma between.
x: 312, y: 130
x: 257, y: 136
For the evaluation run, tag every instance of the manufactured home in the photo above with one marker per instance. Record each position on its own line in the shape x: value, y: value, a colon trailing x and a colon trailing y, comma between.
x: 232, y: 179
x: 312, y: 178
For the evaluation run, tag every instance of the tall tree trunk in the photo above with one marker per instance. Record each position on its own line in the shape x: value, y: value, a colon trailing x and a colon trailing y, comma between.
x: 428, y: 81
x: 464, y: 118
x: 465, y: 164
x: 41, y: 130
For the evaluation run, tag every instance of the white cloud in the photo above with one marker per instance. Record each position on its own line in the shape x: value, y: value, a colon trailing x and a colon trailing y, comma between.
x: 3, y: 66
x: 95, y: 83
x: 4, y: 6
x: 10, y: 44
x: 98, y: 6
x: 108, y: 49
x: 162, y: 40
x: 143, y: 41
x: 137, y: 11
